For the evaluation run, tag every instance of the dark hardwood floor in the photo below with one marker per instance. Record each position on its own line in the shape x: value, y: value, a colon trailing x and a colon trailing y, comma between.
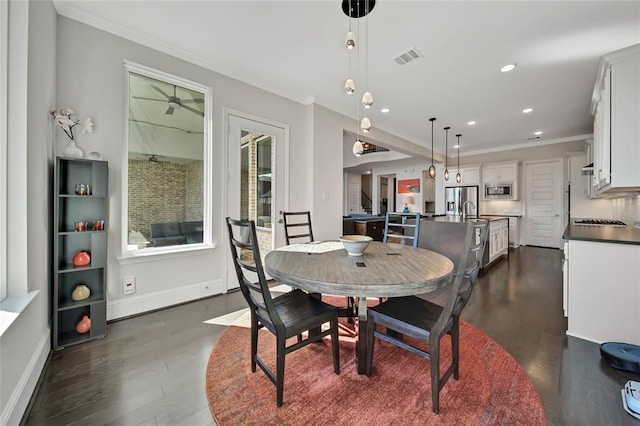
x: 150, y: 370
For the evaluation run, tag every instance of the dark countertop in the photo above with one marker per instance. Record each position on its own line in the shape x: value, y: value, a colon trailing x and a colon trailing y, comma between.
x: 603, y: 234
x: 501, y: 215
x: 459, y: 218
x: 368, y: 219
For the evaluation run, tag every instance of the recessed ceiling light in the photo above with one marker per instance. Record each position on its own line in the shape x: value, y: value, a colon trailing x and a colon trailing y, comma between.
x: 508, y: 67
x: 527, y: 110
x: 538, y: 133
x: 385, y: 110
x: 471, y: 123
x: 456, y: 146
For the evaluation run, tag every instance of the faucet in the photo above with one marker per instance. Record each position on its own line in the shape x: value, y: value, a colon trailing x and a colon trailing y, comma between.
x: 464, y: 208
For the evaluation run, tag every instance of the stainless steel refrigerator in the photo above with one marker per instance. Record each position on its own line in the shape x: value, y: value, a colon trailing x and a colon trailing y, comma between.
x: 459, y: 197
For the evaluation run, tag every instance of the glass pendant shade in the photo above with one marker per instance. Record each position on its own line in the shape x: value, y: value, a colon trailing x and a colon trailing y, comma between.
x: 365, y: 124
x: 446, y: 174
x: 458, y: 177
x: 350, y: 40
x: 358, y: 149
x: 367, y: 99
x: 349, y: 86
x: 432, y: 172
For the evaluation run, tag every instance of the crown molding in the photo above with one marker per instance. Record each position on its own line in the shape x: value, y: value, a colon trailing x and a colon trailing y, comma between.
x: 528, y: 145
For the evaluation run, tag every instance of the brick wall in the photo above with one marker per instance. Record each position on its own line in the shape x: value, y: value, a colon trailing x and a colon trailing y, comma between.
x: 163, y: 192
x: 195, y: 190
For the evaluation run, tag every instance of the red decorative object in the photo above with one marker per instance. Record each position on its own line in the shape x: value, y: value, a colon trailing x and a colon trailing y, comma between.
x: 81, y: 258
x: 84, y: 326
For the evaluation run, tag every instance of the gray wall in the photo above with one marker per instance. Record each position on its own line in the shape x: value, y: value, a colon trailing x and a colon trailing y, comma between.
x: 26, y: 342
x: 95, y: 87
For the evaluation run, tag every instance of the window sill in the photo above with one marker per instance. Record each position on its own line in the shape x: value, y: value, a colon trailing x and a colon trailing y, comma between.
x: 157, y: 254
x: 12, y: 307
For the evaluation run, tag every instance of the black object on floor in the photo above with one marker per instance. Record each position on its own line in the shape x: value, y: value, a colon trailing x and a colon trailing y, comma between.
x: 622, y: 356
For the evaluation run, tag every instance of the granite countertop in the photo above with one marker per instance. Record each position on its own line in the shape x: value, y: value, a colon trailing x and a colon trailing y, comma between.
x: 603, y: 234
x: 459, y: 218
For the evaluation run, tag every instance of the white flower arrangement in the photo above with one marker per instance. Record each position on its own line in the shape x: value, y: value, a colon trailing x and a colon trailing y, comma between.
x: 67, y: 121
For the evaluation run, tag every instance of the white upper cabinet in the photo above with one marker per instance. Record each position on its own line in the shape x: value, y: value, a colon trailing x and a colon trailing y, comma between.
x: 500, y: 173
x: 616, y: 129
x: 469, y: 175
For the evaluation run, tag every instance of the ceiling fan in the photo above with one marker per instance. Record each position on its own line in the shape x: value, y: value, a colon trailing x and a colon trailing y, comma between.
x: 174, y: 101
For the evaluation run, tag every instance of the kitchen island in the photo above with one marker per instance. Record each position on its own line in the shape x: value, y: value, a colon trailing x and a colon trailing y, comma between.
x: 601, y: 283
x: 498, y: 242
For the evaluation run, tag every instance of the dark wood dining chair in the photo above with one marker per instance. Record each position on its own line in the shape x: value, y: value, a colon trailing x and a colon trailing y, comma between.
x: 287, y: 315
x: 402, y: 228
x: 428, y: 322
x: 297, y: 227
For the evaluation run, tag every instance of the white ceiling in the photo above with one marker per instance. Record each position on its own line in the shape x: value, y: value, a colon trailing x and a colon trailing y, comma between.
x: 296, y: 49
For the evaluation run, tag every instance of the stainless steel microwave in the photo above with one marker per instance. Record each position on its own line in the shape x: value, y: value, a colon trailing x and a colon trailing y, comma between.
x: 500, y: 191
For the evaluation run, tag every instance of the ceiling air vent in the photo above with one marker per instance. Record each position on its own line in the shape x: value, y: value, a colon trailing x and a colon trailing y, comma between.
x: 408, y: 56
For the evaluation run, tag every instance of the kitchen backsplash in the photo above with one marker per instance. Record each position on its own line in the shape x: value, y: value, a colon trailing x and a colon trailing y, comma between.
x: 497, y: 207
x: 627, y: 209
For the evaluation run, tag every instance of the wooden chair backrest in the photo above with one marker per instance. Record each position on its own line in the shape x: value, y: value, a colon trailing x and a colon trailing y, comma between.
x: 300, y: 221
x: 246, y: 257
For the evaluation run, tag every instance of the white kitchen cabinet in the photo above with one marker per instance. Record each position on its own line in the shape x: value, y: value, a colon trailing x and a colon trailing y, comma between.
x: 501, y: 173
x: 429, y: 189
x: 603, y: 294
x: 469, y: 176
x: 615, y: 107
x: 498, y: 238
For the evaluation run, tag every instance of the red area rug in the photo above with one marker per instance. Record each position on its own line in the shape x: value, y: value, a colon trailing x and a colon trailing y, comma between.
x: 493, y: 389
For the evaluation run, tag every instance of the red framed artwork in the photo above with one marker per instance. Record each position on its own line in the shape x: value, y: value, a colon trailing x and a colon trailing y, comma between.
x: 408, y: 186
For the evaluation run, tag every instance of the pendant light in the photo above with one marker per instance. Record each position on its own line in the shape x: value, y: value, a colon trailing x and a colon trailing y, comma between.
x: 350, y: 43
x: 446, y: 153
x: 432, y: 169
x: 458, y: 177
x: 358, y: 9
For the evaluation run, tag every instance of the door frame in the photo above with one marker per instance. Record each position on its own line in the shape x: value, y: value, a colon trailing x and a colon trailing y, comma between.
x: 226, y: 175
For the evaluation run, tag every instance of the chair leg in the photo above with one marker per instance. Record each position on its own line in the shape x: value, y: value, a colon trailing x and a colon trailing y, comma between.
x: 351, y: 307
x: 435, y: 375
x: 371, y: 326
x: 280, y: 354
x: 335, y: 347
x: 254, y: 343
x: 455, y: 347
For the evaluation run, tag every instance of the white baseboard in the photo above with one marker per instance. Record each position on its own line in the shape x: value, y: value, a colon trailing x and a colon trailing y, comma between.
x: 580, y: 336
x: 19, y: 400
x: 134, y: 305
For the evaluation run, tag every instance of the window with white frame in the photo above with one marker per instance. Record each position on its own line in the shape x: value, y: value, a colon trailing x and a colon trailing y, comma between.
x: 168, y: 166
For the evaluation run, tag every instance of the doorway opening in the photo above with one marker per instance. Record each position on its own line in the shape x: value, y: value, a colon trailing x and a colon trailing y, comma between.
x: 387, y: 193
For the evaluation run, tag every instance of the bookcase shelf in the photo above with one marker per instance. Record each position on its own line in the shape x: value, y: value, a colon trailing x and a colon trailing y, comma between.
x: 70, y: 208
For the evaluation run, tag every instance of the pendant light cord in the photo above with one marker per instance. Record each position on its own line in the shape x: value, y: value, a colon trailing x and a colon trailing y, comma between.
x: 446, y: 147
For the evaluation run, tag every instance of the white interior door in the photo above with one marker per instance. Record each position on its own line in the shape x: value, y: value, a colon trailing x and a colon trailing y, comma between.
x: 544, y: 199
x: 256, y: 181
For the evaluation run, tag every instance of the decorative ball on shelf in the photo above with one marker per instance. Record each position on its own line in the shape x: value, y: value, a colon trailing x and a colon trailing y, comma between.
x: 81, y: 292
x: 84, y: 326
x: 81, y: 258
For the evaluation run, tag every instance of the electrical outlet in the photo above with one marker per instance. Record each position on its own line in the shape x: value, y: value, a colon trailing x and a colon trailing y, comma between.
x: 129, y: 284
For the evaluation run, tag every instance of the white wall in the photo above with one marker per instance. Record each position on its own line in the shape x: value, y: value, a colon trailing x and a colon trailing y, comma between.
x: 581, y: 205
x: 91, y: 80
x: 25, y: 345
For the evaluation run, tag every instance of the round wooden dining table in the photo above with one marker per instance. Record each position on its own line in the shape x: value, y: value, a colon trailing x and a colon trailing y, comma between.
x: 384, y: 270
